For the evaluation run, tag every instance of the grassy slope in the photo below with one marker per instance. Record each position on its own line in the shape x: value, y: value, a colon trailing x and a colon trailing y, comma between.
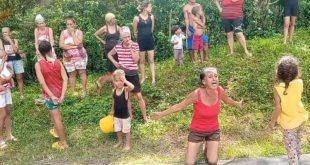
x: 244, y: 133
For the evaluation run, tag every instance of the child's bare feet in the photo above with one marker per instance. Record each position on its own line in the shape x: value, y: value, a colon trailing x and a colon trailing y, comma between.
x: 126, y: 148
x: 146, y: 120
x: 83, y: 95
x: 231, y: 53
x: 117, y: 145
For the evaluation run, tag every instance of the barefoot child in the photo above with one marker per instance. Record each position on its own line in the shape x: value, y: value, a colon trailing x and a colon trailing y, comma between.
x: 289, y: 110
x: 199, y: 28
x: 177, y: 41
x: 120, y: 107
x: 53, y: 80
x: 205, y: 125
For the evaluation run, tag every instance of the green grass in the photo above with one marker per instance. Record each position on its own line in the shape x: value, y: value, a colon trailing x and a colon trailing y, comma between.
x: 245, y: 132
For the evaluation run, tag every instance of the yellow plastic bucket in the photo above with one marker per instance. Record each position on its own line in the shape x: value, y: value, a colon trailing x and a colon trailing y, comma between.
x: 107, y: 124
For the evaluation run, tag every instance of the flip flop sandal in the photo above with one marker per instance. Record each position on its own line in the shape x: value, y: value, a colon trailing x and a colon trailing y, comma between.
x: 59, y: 146
x: 54, y: 133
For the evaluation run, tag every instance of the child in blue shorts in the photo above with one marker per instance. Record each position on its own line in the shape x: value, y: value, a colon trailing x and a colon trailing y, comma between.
x: 53, y: 80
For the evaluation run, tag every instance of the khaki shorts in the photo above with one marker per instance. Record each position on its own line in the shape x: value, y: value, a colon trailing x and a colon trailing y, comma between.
x: 197, y: 136
x: 73, y: 65
x: 122, y: 125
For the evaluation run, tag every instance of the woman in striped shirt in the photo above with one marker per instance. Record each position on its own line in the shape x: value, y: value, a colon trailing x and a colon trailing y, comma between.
x: 128, y: 58
x: 232, y: 18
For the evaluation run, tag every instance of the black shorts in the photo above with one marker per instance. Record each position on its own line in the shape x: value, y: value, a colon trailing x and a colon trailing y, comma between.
x: 146, y: 44
x: 197, y: 136
x: 134, y: 79
x: 110, y: 65
x: 290, y: 8
x: 233, y: 25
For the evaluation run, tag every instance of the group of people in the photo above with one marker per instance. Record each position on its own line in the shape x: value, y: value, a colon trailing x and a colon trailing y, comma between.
x: 123, y: 61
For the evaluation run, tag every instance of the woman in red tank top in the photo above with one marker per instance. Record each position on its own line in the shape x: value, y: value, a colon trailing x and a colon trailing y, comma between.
x: 204, y: 125
x: 53, y: 79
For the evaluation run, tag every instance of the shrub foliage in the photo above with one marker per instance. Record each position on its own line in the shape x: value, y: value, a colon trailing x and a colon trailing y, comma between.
x: 262, y: 19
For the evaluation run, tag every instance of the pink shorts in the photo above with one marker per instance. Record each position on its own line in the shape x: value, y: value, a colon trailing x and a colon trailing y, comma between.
x: 197, y: 42
x: 73, y: 65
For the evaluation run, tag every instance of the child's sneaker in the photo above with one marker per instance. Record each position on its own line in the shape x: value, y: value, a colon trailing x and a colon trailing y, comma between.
x: 54, y: 133
x: 59, y: 146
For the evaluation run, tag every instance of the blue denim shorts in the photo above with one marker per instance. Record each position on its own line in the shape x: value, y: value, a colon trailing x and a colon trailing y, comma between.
x: 17, y: 66
x: 50, y: 105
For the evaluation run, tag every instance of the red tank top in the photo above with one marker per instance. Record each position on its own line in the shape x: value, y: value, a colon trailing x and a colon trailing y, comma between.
x: 52, y: 76
x: 205, y: 117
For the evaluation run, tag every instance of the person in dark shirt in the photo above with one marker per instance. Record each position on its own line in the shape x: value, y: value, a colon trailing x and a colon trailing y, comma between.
x: 143, y: 27
x: 111, y: 34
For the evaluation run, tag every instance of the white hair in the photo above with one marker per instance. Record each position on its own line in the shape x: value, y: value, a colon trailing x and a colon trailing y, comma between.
x: 6, y: 29
x: 125, y: 29
x: 209, y: 69
x: 39, y: 18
